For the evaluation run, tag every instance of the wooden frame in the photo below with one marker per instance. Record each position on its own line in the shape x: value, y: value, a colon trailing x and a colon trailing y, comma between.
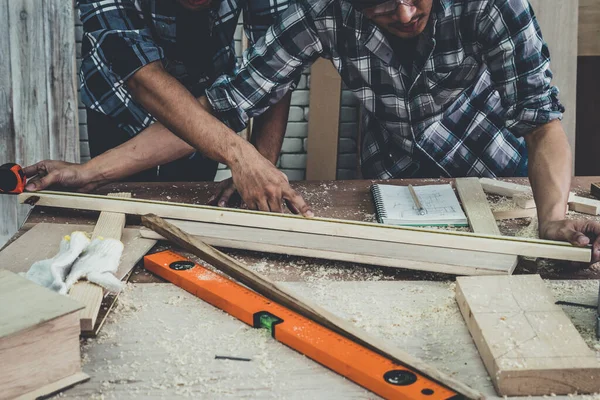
x: 322, y: 226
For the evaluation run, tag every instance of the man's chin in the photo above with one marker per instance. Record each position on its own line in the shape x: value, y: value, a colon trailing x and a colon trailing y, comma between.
x: 407, y: 32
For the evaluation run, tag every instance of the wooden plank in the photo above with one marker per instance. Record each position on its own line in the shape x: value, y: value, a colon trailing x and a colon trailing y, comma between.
x: 272, y: 291
x: 562, y: 43
x: 481, y: 220
x: 324, y: 121
x: 62, y: 101
x: 310, y: 245
x: 516, y: 213
x: 332, y: 227
x: 55, y: 387
x: 527, y: 343
x: 588, y: 42
x: 503, y: 188
x: 584, y: 205
x: 109, y: 226
x: 8, y: 204
x: 20, y: 255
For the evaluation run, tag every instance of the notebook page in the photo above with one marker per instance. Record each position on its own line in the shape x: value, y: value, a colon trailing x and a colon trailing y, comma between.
x: 439, y: 202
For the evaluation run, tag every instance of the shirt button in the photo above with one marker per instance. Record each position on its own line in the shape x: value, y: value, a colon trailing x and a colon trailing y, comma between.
x: 390, y: 155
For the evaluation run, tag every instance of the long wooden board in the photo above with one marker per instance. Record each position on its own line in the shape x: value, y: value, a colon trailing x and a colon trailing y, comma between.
x: 449, y: 261
x: 287, y: 299
x: 527, y: 343
x: 323, y: 226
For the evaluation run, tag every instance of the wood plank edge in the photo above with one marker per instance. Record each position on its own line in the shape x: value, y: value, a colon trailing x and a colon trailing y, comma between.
x: 55, y: 387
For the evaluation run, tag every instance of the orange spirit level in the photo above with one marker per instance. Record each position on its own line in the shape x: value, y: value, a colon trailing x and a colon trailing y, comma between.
x: 361, y: 365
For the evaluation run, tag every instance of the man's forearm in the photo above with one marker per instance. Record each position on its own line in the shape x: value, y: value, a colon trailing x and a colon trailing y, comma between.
x: 550, y: 171
x: 155, y: 145
x: 177, y: 109
x: 269, y: 128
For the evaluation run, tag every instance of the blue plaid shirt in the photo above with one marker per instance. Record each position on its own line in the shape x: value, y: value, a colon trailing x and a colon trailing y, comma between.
x: 479, y: 81
x: 121, y: 36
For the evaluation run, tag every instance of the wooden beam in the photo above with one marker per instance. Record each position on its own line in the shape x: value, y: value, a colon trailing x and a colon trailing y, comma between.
x: 109, y: 225
x: 524, y: 200
x: 527, y: 343
x: 584, y: 205
x: 324, y: 121
x: 481, y: 220
x: 272, y: 291
x: 332, y: 227
x: 515, y: 213
x: 449, y: 261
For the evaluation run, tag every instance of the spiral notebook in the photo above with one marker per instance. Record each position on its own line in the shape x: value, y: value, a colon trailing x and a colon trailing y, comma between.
x: 395, y: 205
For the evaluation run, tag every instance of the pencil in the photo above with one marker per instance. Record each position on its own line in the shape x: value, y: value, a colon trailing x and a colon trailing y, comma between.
x: 420, y: 209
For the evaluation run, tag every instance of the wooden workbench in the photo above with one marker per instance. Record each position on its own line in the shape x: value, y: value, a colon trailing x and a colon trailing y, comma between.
x: 160, y: 342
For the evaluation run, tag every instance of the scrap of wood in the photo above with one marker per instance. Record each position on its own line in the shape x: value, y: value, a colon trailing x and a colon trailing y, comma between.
x: 527, y: 343
x: 39, y: 337
x: 109, y: 226
x: 481, y: 220
x: 284, y: 222
x: 515, y: 213
x: 362, y: 251
x: 584, y: 205
x: 524, y: 200
x: 272, y: 291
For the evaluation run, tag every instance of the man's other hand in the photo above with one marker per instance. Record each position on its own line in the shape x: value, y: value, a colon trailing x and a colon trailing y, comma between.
x: 49, y: 173
x: 577, y: 232
x: 262, y: 186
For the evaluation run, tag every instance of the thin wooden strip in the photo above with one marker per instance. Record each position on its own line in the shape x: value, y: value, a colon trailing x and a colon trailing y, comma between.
x: 324, y: 121
x: 503, y: 188
x: 527, y: 343
x: 458, y: 240
x: 245, y: 236
x: 109, y: 225
x: 269, y: 289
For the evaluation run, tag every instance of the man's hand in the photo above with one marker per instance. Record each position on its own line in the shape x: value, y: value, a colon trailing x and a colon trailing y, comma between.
x: 577, y: 232
x: 59, y: 173
x: 262, y: 186
x: 226, y: 195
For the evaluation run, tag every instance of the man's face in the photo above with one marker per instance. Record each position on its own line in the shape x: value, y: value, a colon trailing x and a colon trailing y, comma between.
x: 195, y: 5
x: 406, y: 21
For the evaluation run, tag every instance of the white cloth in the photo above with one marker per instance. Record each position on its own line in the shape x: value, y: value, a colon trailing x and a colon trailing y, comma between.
x: 79, y: 258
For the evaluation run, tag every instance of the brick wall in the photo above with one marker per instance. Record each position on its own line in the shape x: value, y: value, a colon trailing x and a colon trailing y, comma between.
x: 293, y: 154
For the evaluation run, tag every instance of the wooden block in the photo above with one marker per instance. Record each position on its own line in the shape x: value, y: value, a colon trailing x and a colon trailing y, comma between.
x: 584, y: 205
x: 109, y: 226
x: 39, y: 338
x: 524, y: 200
x: 595, y: 190
x: 527, y: 343
x: 516, y: 213
x: 503, y: 188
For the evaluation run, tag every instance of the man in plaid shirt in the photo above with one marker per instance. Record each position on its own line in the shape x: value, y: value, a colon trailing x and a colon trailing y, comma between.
x: 145, y: 66
x: 450, y: 88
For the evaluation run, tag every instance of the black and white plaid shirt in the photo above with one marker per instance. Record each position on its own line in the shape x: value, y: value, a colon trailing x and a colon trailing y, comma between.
x: 121, y: 36
x: 480, y: 80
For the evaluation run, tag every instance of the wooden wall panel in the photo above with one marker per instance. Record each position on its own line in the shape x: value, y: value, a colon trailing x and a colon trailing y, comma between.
x: 589, y: 28
x: 38, y: 96
x: 558, y: 20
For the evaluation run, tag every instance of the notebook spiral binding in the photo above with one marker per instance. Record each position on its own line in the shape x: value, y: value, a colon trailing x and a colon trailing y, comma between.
x: 378, y: 200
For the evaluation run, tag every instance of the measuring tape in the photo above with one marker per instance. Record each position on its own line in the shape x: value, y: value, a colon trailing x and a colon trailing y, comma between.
x: 357, y: 363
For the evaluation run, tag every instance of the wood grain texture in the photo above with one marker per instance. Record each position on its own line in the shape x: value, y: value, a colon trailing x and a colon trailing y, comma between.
x: 272, y: 291
x: 324, y: 121
x: 588, y: 40
x: 331, y: 227
x: 558, y: 21
x: 20, y: 254
x: 36, y: 324
x: 527, y: 343
x: 389, y: 254
x: 516, y: 213
x: 481, y: 220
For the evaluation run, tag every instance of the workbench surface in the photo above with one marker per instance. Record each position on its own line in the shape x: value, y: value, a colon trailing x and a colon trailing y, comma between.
x: 160, y: 341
